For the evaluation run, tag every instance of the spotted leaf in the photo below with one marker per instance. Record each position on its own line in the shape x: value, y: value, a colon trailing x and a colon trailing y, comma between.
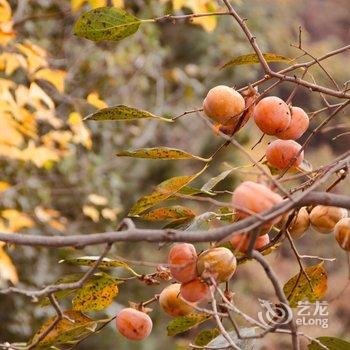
x: 96, y: 294
x: 298, y: 288
x: 123, y: 113
x: 106, y: 23
x: 159, y: 153
x: 184, y: 323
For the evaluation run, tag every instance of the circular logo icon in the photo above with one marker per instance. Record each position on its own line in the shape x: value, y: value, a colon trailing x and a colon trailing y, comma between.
x: 274, y: 313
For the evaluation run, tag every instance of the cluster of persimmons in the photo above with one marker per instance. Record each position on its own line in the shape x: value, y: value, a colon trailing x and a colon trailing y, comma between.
x: 195, y: 275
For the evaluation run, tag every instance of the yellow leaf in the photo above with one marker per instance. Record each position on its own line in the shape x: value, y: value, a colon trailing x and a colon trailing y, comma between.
x: 10, y: 152
x: 163, y: 191
x: 8, y: 271
x: 6, y: 85
x: 10, y: 62
x: 54, y: 76
x: 35, y: 56
x: 169, y: 213
x: 253, y: 58
x: 95, y: 100
x: 208, y: 23
x: 81, y: 133
x: 7, y: 32
x: 22, y: 95
x: 96, y: 294
x: 51, y: 217
x: 109, y: 214
x: 74, y: 119
x: 5, y: 11
x: 45, y: 214
x: 91, y: 212
x: 16, y: 220
x: 41, y: 156
x: 3, y: 229
x: 299, y: 288
x: 39, y: 95
x: 27, y: 125
x: 97, y: 3
x: 58, y: 138
x: 118, y: 3
x: 199, y: 6
x: 159, y: 153
x: 177, y: 4
x: 57, y: 225
x: 73, y: 326
x: 9, y: 131
x: 48, y: 115
x: 4, y: 186
x: 97, y: 200
x: 77, y: 4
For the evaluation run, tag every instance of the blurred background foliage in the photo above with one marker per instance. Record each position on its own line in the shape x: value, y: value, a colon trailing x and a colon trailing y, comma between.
x: 60, y: 176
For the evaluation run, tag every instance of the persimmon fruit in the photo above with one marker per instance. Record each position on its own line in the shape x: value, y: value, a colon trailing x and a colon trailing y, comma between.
x: 219, y: 263
x: 280, y: 154
x: 299, y: 123
x: 182, y: 260
x: 256, y: 198
x: 171, y: 302
x: 342, y: 233
x: 195, y: 291
x: 134, y: 324
x: 299, y: 224
x: 223, y: 104
x: 272, y: 115
x: 241, y: 242
x: 324, y: 218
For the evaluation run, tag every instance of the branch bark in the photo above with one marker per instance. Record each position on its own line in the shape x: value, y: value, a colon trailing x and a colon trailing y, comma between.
x: 132, y: 234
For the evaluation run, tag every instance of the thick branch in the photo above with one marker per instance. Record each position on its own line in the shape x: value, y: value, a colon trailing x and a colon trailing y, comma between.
x: 166, y: 235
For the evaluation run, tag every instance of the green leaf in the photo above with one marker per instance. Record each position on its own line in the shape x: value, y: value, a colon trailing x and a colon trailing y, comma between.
x: 162, y: 192
x: 298, y: 287
x: 178, y: 224
x: 106, y: 23
x: 215, y: 180
x: 184, y: 323
x: 105, y: 263
x: 190, y: 191
x: 70, y: 328
x: 96, y: 294
x: 205, y: 336
x: 247, y: 344
x: 331, y: 343
x: 169, y: 213
x: 123, y: 113
x: 159, y: 153
x: 226, y: 214
x: 253, y: 58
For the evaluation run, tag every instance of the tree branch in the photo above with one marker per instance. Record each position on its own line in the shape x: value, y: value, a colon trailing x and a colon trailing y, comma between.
x: 169, y: 235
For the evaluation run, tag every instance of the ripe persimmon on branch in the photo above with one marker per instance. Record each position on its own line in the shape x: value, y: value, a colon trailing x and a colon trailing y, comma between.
x: 260, y: 216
